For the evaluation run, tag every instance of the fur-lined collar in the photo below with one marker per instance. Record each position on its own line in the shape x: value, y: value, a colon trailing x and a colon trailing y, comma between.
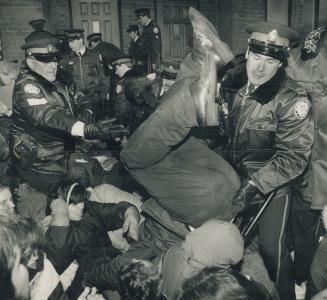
x: 237, y: 78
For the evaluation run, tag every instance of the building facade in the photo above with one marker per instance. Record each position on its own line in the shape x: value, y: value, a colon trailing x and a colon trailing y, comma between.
x: 112, y: 17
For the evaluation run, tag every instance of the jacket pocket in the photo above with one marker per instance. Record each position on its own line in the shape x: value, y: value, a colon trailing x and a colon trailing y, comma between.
x: 261, y: 134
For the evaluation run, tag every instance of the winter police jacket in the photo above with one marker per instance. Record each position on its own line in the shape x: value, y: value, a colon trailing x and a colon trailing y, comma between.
x: 43, y: 116
x: 270, y: 131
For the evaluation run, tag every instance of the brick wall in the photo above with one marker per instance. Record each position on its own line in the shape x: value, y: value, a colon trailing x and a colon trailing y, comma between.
x: 60, y: 17
x: 245, y: 12
x: 231, y: 16
x: 14, y: 18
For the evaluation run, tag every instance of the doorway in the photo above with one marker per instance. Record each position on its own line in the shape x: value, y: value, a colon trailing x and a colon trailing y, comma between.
x: 97, y: 16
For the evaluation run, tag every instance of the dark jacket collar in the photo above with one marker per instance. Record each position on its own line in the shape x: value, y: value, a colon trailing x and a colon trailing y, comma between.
x: 237, y: 78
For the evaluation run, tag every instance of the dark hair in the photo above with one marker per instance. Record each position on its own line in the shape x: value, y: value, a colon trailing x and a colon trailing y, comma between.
x: 221, y: 284
x: 139, y: 280
x: 22, y: 233
x: 67, y: 188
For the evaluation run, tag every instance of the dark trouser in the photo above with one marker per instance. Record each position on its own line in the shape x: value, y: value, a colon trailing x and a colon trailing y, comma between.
x: 317, y: 280
x: 272, y: 240
x: 189, y: 180
x: 303, y: 230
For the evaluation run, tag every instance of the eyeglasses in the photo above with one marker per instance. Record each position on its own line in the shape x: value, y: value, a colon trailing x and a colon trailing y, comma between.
x: 46, y: 57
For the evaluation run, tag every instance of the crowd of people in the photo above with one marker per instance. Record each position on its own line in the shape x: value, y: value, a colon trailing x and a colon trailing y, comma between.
x: 123, y: 180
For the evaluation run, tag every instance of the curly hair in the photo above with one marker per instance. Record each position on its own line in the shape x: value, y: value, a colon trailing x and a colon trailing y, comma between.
x: 139, y: 280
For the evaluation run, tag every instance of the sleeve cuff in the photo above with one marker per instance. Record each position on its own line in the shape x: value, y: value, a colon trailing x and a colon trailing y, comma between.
x: 78, y: 129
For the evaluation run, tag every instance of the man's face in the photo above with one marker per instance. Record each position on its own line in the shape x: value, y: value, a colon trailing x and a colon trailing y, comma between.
x: 121, y: 69
x: 261, y: 68
x: 46, y: 70
x: 132, y: 35
x: 76, y: 45
x: 75, y: 211
x: 141, y: 20
x: 6, y: 204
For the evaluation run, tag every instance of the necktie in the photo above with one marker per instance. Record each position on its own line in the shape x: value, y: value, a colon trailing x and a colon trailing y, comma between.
x: 251, y: 89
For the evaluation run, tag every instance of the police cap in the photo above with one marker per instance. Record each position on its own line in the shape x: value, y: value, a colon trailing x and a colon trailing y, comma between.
x: 41, y: 45
x: 134, y: 28
x: 140, y: 12
x: 271, y: 39
x: 94, y: 36
x: 74, y: 34
x: 121, y: 58
x: 38, y: 24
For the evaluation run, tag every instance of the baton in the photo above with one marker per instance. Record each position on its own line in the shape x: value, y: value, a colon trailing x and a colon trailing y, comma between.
x: 250, y: 227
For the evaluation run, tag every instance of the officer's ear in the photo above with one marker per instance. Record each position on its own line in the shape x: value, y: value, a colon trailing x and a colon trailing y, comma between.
x: 247, y: 53
x: 30, y: 63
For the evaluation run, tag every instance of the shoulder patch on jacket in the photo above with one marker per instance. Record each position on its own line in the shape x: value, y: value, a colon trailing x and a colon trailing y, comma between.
x: 31, y: 88
x: 301, y: 107
x: 36, y: 101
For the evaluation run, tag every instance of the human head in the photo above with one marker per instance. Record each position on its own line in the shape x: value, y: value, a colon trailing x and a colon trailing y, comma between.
x: 133, y: 31
x: 74, y: 194
x: 41, y: 53
x: 268, y: 50
x: 21, y: 235
x: 142, y: 16
x: 139, y: 280
x: 75, y: 39
x: 94, y: 39
x: 8, y: 72
x: 122, y: 64
x: 221, y: 284
x: 37, y: 24
x: 11, y: 287
x: 7, y: 205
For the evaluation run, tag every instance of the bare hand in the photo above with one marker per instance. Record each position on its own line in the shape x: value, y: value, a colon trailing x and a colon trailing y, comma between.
x: 131, y: 223
x: 90, y: 294
x: 20, y: 277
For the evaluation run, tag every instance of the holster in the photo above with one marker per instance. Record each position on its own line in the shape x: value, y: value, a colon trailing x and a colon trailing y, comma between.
x: 24, y: 150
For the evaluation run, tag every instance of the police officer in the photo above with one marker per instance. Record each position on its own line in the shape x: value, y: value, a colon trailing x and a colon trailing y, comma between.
x: 270, y: 132
x: 136, y: 95
x: 107, y: 50
x: 108, y: 53
x: 135, y: 50
x: 46, y: 119
x: 151, y: 42
x: 85, y: 67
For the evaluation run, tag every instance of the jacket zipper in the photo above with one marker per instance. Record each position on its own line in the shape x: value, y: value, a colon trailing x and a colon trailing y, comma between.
x: 237, y: 133
x: 80, y: 67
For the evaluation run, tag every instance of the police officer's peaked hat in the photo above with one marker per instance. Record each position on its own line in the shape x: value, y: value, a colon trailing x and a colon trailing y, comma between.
x: 94, y: 36
x: 121, y: 59
x: 40, y: 39
x: 41, y: 45
x: 133, y: 27
x: 271, y: 39
x: 142, y: 11
x: 74, y: 33
x: 38, y: 24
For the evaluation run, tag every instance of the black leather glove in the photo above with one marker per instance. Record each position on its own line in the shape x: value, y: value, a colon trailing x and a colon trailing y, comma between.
x: 104, y: 131
x: 245, y: 195
x: 86, y: 116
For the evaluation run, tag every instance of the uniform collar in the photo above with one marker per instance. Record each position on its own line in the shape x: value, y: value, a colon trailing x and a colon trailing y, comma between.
x: 237, y: 78
x: 150, y: 21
